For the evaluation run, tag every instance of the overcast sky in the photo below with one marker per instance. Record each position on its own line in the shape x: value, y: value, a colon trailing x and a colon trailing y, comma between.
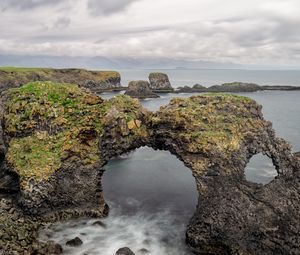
x: 250, y: 32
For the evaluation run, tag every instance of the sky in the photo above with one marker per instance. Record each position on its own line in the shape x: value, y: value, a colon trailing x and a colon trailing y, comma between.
x: 246, y: 32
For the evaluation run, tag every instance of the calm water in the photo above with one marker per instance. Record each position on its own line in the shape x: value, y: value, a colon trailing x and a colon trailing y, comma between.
x: 152, y: 194
x: 212, y: 77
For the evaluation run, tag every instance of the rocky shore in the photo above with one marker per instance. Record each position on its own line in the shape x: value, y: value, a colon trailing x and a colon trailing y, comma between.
x: 233, y: 87
x: 56, y: 138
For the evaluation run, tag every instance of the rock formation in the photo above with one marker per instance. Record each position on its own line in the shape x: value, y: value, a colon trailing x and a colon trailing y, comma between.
x: 233, y: 87
x: 140, y: 89
x: 57, y: 138
x: 159, y: 82
x: 97, y: 81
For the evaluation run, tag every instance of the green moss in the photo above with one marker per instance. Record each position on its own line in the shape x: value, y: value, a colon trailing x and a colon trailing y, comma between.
x: 50, y: 123
x: 210, y: 122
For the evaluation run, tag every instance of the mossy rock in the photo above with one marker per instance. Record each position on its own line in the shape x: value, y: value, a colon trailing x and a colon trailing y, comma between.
x: 48, y: 123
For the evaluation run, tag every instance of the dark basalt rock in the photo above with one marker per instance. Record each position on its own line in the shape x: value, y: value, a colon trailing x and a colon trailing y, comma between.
x: 124, y: 251
x: 140, y: 89
x: 159, y: 82
x: 74, y: 242
x: 215, y: 135
x: 99, y: 223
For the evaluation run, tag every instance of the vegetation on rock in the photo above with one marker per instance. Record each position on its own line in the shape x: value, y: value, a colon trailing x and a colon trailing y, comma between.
x: 48, y: 123
x: 210, y: 121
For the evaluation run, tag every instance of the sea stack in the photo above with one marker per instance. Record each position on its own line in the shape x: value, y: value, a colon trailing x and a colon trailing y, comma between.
x: 159, y: 82
x: 140, y: 89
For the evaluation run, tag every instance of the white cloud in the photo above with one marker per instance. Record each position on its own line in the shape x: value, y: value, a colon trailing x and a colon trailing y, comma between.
x: 246, y: 32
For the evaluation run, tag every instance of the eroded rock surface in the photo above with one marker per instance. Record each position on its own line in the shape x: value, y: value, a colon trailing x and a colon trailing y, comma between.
x: 159, y: 82
x: 58, y: 137
x: 140, y: 89
x: 216, y: 136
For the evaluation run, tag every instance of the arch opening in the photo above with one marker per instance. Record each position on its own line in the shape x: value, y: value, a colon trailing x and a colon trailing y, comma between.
x: 152, y: 196
x: 260, y: 169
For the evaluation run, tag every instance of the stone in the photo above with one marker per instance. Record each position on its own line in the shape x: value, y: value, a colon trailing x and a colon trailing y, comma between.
x: 143, y: 251
x: 159, y: 82
x: 140, y: 89
x: 124, y: 251
x: 74, y: 242
x: 99, y: 223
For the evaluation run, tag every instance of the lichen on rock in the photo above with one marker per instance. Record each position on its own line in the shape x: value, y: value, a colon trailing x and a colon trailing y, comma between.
x: 52, y: 127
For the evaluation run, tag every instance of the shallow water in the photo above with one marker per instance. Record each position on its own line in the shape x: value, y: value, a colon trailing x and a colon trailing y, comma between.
x: 152, y: 194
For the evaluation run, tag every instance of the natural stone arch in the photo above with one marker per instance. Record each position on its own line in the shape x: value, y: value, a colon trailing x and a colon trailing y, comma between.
x: 214, y: 135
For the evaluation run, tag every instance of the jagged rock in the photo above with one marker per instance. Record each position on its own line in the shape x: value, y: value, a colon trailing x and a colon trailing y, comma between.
x: 59, y: 147
x: 75, y: 133
x: 96, y: 81
x: 159, y: 82
x: 124, y: 251
x: 140, y: 89
x: 74, y: 242
x: 219, y: 134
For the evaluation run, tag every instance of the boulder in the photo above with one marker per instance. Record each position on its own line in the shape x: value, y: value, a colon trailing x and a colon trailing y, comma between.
x: 124, y: 251
x: 75, y: 242
x: 159, y: 82
x: 140, y: 89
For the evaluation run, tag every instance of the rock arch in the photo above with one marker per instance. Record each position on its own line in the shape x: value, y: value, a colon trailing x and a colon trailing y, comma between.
x: 214, y: 135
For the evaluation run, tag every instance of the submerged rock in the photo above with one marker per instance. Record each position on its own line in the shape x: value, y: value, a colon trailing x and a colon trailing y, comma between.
x: 159, y: 82
x: 74, y: 242
x: 140, y: 89
x: 124, y: 251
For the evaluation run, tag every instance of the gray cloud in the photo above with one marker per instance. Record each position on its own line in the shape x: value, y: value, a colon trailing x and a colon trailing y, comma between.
x: 265, y: 32
x: 107, y: 7
x: 25, y: 4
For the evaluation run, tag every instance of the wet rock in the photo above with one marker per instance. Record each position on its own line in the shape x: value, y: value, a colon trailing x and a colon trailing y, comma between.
x: 74, y: 242
x: 99, y: 223
x: 159, y: 82
x: 124, y: 251
x: 140, y: 89
x: 143, y: 251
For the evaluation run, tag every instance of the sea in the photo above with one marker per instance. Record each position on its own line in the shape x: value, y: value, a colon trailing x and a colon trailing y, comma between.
x: 151, y: 194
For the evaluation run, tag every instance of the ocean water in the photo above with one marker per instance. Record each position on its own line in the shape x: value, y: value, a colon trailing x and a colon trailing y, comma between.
x: 152, y: 195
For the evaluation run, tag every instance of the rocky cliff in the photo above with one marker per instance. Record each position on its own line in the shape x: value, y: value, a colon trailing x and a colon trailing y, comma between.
x: 57, y: 138
x: 96, y: 81
x: 159, y: 82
